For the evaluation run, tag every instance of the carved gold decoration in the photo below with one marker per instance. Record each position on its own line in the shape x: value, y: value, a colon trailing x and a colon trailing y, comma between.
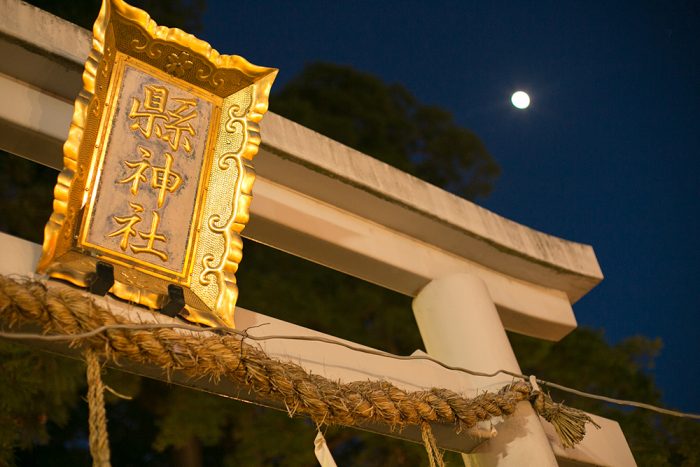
x: 164, y: 125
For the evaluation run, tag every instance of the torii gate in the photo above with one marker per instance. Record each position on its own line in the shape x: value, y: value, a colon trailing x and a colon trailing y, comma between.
x: 473, y: 273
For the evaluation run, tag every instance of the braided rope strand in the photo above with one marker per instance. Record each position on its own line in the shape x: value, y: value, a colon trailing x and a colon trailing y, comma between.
x: 63, y: 310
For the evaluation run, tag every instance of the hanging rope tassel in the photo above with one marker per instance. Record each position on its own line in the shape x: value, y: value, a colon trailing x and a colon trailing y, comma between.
x: 99, y: 441
x: 569, y: 423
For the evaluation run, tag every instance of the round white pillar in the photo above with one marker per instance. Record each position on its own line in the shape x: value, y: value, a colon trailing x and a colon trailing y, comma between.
x: 460, y: 326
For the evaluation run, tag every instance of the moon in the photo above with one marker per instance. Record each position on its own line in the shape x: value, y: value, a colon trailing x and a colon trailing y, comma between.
x: 520, y: 100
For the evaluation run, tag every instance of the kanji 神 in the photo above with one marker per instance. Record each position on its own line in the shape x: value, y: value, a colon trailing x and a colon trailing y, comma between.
x: 138, y: 175
x: 163, y: 178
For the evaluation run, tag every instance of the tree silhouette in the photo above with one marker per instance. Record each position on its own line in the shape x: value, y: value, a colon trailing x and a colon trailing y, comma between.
x: 388, y: 123
x: 167, y: 425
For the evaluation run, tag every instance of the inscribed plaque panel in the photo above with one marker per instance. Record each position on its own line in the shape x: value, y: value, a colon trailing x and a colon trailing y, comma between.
x: 145, y: 198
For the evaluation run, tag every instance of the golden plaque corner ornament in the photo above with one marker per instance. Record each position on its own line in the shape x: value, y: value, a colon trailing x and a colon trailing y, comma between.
x: 157, y: 178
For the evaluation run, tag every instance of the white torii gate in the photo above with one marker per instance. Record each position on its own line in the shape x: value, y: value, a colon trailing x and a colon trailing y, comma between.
x: 473, y: 273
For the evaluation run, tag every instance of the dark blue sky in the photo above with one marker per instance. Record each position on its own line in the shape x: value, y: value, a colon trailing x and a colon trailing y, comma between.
x: 606, y: 155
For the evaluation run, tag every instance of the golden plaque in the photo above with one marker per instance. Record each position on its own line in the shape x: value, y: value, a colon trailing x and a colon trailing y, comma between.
x: 157, y: 178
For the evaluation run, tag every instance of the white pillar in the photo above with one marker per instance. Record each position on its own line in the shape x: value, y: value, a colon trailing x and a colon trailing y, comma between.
x: 460, y: 326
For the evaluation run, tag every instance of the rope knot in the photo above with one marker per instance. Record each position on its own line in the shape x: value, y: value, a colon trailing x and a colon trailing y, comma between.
x: 537, y: 397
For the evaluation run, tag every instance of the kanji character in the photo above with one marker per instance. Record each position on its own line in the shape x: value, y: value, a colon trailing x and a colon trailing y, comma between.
x: 128, y: 223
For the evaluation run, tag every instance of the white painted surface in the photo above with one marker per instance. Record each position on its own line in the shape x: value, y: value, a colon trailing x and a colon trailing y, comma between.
x: 374, y: 190
x: 19, y: 257
x: 305, y: 226
x: 605, y: 447
x: 460, y: 326
x: 27, y: 107
x: 58, y: 37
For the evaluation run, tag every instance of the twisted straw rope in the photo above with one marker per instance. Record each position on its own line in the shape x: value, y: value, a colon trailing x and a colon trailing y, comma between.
x: 99, y: 440
x: 67, y: 311
x: 434, y: 453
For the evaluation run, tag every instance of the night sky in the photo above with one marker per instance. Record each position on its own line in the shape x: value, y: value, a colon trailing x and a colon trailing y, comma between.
x: 606, y: 155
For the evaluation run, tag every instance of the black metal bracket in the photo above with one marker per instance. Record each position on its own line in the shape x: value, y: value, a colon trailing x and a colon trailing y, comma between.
x: 175, y: 302
x: 102, y: 280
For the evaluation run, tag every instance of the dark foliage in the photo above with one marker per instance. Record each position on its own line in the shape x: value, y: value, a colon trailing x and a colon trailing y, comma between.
x: 43, y: 420
x: 388, y: 123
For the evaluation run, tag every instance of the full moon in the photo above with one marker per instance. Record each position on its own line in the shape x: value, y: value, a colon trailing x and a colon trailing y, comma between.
x: 520, y: 100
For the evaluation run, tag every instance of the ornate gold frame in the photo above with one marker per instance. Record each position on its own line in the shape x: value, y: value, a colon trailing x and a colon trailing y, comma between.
x: 239, y: 92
